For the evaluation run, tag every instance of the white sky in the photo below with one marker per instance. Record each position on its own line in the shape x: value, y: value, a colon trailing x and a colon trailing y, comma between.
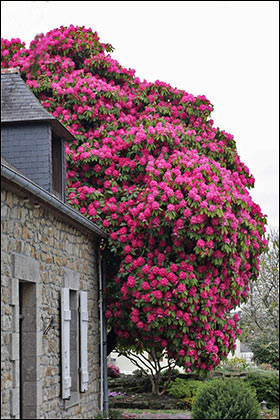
x: 227, y: 50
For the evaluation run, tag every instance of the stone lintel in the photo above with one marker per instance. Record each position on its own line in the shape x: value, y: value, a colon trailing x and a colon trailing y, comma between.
x: 71, y: 279
x: 26, y: 268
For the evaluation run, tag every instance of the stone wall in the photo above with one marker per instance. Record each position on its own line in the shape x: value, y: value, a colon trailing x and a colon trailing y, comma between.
x: 45, y: 250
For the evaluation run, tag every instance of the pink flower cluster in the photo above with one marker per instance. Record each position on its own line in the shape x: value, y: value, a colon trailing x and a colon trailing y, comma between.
x: 149, y: 166
x: 113, y: 371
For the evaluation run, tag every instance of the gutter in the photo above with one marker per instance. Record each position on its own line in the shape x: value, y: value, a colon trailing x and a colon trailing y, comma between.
x: 106, y: 394
x: 40, y: 193
x: 104, y: 397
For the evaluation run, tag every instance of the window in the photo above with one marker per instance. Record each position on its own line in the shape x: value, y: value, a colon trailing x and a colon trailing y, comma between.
x: 74, y: 329
x: 26, y: 339
x: 74, y: 347
x: 57, y: 167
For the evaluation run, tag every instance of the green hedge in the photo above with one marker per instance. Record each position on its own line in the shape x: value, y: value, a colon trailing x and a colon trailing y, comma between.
x: 226, y: 399
x: 266, y: 385
x: 184, y: 389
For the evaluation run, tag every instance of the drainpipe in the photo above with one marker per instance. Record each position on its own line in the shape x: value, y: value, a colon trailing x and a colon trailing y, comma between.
x: 103, y: 336
x: 105, y: 375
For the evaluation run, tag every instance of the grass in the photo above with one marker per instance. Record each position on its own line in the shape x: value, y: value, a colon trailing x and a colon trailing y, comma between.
x: 140, y: 411
x: 266, y: 414
x: 154, y: 414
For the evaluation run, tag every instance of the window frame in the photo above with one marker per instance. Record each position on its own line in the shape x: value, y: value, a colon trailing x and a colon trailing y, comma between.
x: 78, y: 353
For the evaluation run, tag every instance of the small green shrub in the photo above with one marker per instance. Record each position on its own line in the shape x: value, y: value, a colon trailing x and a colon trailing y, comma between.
x: 174, y: 373
x: 184, y: 389
x: 225, y: 399
x: 266, y: 385
x: 138, y: 373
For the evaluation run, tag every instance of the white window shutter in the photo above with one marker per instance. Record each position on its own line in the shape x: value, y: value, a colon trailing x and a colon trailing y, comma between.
x: 65, y: 343
x: 84, y: 340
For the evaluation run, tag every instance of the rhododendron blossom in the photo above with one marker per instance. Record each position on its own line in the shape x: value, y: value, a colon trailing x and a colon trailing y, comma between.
x: 149, y: 166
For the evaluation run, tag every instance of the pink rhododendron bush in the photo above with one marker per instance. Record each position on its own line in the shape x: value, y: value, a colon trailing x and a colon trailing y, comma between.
x: 149, y: 166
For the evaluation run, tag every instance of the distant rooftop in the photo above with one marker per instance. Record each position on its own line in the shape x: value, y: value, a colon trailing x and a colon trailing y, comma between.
x: 18, y: 103
x: 244, y: 348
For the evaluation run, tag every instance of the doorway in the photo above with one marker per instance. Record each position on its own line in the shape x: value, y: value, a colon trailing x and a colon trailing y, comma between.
x: 28, y: 360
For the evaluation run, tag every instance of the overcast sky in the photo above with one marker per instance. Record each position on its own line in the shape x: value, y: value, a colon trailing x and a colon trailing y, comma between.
x: 227, y: 50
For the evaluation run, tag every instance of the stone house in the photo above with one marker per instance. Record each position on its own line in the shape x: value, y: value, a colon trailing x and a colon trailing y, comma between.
x: 246, y: 353
x: 51, y: 277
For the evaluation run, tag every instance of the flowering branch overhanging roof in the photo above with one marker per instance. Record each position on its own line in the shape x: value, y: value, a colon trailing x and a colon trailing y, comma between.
x: 149, y: 165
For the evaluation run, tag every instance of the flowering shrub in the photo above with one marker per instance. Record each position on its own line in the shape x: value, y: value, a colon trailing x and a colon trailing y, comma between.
x: 266, y: 366
x: 116, y: 394
x: 234, y: 365
x: 149, y: 167
x: 113, y: 371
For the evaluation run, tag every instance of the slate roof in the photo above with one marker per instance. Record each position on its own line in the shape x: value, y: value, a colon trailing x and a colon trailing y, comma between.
x: 10, y: 165
x: 244, y: 348
x: 19, y: 104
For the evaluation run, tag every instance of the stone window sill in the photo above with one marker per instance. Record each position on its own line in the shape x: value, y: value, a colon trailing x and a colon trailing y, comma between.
x: 74, y: 400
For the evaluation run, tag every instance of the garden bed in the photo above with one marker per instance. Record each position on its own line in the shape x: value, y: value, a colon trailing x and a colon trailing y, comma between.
x: 145, y: 401
x: 133, y: 392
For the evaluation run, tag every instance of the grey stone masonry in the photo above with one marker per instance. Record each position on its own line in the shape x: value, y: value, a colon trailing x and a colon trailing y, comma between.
x: 42, y: 254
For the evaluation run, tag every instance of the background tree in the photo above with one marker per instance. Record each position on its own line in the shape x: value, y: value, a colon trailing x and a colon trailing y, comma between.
x: 149, y: 166
x: 260, y: 315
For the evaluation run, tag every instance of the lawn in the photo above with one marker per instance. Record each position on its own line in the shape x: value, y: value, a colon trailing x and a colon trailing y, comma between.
x: 179, y: 414
x: 156, y: 414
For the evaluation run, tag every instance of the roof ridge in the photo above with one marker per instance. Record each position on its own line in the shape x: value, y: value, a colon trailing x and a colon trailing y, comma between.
x: 18, y: 102
x: 20, y: 105
x: 11, y: 70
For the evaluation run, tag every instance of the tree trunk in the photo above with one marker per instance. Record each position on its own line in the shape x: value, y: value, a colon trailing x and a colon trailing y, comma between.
x: 155, y: 381
x: 111, y: 341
